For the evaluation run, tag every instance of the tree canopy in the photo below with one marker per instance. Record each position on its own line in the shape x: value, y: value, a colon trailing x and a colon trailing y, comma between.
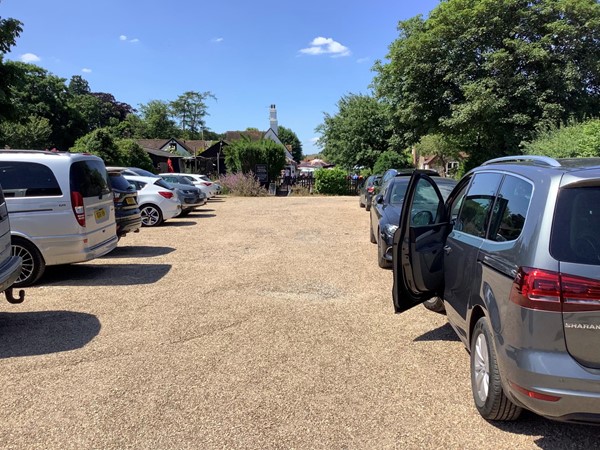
x: 575, y: 140
x: 487, y: 73
x: 288, y: 137
x: 243, y: 155
x: 357, y: 134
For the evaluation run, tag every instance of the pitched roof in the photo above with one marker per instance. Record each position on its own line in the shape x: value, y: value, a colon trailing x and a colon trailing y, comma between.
x: 253, y: 135
x: 152, y: 143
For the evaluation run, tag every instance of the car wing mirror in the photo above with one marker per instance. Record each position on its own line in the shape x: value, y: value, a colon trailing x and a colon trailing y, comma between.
x: 379, y: 199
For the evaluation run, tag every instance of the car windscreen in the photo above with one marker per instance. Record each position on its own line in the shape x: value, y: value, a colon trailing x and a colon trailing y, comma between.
x: 89, y: 178
x: 141, y: 172
x: 183, y: 180
x: 28, y: 179
x: 575, y: 226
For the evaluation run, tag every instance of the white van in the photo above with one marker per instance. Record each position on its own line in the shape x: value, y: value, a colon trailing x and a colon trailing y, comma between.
x: 60, y: 206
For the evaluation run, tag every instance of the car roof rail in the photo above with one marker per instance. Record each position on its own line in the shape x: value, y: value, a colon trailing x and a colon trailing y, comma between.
x: 536, y: 159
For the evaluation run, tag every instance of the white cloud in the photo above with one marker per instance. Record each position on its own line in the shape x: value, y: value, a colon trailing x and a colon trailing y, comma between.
x: 126, y: 39
x: 30, y: 58
x: 86, y: 70
x: 362, y: 60
x: 326, y: 46
x: 314, y: 140
x: 217, y: 40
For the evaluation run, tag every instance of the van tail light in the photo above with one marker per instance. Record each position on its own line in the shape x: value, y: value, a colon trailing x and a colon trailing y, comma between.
x: 166, y: 194
x: 78, y: 207
x: 550, y: 291
x: 371, y: 189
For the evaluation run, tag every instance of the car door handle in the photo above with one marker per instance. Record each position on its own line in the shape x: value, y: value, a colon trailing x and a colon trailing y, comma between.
x: 447, y: 249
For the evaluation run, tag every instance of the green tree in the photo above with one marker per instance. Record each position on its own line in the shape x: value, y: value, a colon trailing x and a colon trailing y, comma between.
x: 288, y: 137
x: 32, y: 134
x: 437, y: 145
x: 190, y: 109
x: 133, y: 155
x: 101, y: 142
x: 78, y: 85
x: 357, y: 134
x: 157, y: 124
x: 244, y: 154
x: 486, y: 73
x: 10, y: 29
x: 391, y: 159
x: 577, y: 140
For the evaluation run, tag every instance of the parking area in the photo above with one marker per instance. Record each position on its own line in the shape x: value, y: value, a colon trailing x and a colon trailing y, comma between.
x: 251, y: 323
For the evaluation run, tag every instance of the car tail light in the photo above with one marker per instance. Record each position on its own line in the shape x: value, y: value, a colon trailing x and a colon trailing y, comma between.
x: 166, y: 194
x: 371, y: 189
x: 78, y: 207
x: 550, y: 291
x: 206, y: 183
x: 533, y: 394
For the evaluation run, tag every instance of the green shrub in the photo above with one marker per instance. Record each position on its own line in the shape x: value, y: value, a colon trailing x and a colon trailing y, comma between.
x: 331, y: 181
x: 134, y: 155
x: 391, y: 160
x: 575, y: 140
x: 242, y: 185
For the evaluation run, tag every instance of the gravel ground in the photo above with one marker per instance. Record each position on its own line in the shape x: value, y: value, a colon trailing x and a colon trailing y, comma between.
x: 254, y: 323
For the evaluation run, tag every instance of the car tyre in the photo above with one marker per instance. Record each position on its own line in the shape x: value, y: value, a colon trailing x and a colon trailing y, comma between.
x: 486, y: 385
x: 383, y: 263
x: 368, y: 206
x: 33, y: 265
x: 360, y: 203
x: 435, y: 304
x: 372, y: 236
x: 151, y: 216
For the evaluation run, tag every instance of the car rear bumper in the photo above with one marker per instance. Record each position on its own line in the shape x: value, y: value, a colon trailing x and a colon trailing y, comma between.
x: 9, y: 272
x: 73, y: 249
x: 573, y: 392
x: 128, y: 225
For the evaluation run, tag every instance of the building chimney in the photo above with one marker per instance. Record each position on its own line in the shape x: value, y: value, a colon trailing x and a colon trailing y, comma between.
x: 273, y: 120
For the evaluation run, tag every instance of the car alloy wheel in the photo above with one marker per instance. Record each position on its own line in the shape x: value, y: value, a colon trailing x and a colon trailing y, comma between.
x: 151, y: 216
x: 32, y: 266
x: 481, y: 363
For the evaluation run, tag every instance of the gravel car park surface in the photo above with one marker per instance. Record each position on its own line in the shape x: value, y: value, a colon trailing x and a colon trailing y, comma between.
x: 252, y: 323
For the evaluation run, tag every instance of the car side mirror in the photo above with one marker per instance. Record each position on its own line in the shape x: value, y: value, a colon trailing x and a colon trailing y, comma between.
x: 379, y: 199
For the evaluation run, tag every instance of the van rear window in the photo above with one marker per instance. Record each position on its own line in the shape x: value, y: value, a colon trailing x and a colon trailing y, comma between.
x: 27, y: 179
x: 575, y: 236
x: 89, y: 178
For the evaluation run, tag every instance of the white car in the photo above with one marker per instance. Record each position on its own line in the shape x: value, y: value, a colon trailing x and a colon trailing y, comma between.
x: 208, y: 187
x: 157, y: 199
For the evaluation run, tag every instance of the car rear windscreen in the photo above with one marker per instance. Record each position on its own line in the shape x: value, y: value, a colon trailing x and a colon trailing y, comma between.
x: 118, y: 181
x: 27, y: 179
x: 575, y: 228
x: 89, y: 178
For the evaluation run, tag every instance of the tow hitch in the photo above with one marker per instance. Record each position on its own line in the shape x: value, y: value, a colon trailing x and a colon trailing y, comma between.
x: 11, y: 298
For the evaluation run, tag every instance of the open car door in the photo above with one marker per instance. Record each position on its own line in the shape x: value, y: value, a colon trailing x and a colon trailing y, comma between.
x: 418, y: 253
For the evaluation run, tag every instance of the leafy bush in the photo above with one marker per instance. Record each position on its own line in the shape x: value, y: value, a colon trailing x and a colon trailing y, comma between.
x: 331, y: 181
x: 242, y: 185
x: 243, y: 155
x: 134, y: 155
x: 100, y: 142
x: 575, y: 140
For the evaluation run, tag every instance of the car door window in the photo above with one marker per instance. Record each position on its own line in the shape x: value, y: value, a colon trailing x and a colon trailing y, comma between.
x: 475, y: 212
x: 425, y: 205
x: 510, y: 209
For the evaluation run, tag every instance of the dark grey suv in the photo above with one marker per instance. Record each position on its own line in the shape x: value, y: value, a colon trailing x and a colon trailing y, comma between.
x: 515, y: 255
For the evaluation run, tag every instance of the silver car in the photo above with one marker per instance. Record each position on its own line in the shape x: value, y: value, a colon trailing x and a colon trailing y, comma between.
x: 514, y: 255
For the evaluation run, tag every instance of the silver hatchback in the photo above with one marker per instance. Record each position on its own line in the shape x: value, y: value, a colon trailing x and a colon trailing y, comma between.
x: 514, y: 254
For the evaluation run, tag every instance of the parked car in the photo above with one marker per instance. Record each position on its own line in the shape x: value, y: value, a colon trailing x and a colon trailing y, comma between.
x: 217, y: 186
x: 367, y: 190
x: 61, y: 208
x: 207, y: 187
x: 176, y: 178
x: 134, y: 171
x: 514, y: 253
x: 190, y: 196
x: 127, y: 212
x: 385, y: 213
x: 157, y: 199
x: 10, y: 264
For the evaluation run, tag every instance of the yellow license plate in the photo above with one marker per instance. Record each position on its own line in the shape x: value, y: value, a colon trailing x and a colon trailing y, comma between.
x: 100, y: 214
x: 130, y: 201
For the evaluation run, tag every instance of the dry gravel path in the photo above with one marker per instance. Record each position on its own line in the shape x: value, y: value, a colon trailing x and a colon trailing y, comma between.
x: 255, y: 323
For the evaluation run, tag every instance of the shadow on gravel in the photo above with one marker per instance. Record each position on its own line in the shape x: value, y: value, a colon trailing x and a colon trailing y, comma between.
x: 216, y: 200
x: 41, y: 333
x: 178, y: 223
x: 200, y: 214
x: 443, y: 333
x: 104, y: 274
x: 138, y: 251
x: 553, y: 435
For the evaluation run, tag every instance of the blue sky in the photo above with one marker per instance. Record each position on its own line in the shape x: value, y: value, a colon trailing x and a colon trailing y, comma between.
x: 302, y: 56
